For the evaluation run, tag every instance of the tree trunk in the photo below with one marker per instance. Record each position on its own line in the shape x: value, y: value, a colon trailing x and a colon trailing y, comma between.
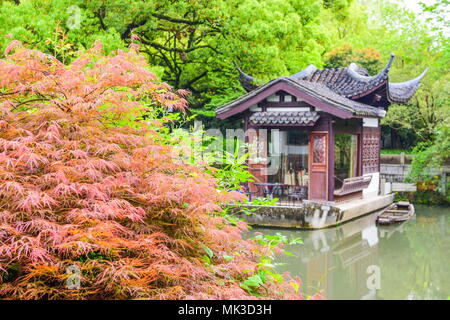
x: 395, y: 139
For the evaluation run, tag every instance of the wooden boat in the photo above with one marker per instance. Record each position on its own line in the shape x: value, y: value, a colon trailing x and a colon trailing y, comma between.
x: 396, y: 212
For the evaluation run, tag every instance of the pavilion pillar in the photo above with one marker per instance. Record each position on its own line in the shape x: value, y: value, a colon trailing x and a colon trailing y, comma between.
x: 330, y: 160
x: 321, y: 161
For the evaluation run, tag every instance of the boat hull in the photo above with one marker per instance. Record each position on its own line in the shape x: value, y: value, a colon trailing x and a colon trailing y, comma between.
x: 395, y: 213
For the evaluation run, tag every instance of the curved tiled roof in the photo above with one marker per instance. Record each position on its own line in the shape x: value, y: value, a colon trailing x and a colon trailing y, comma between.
x: 316, y: 90
x: 284, y: 117
x: 358, y: 108
x: 342, y: 88
x: 352, y: 82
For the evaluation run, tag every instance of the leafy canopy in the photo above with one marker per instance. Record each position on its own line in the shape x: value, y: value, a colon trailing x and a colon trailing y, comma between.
x: 194, y: 43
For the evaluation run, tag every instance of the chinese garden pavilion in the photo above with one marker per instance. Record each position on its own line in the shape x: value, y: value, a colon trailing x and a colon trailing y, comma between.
x: 323, y: 128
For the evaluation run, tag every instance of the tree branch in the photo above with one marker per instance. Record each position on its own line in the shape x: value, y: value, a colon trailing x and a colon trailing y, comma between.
x: 175, y: 20
x: 201, y: 75
x: 29, y: 101
x: 160, y: 47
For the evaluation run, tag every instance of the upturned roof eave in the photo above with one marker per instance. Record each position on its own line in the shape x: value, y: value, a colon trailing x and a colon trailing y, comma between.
x: 405, y: 90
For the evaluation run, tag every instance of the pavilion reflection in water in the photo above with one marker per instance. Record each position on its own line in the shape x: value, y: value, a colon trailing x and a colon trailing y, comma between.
x: 339, y: 261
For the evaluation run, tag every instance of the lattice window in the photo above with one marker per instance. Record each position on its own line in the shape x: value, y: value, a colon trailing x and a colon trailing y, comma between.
x: 370, y: 150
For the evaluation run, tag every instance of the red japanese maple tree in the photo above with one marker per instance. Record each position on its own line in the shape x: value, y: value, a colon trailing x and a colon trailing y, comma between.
x: 79, y: 190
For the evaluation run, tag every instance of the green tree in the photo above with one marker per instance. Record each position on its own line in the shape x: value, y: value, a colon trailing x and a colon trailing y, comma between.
x: 367, y: 58
x: 195, y: 43
x: 198, y: 42
x: 418, y: 44
x: 432, y: 155
x: 54, y: 27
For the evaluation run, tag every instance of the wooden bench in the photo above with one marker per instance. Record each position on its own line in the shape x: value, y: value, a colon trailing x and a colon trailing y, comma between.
x: 352, y: 188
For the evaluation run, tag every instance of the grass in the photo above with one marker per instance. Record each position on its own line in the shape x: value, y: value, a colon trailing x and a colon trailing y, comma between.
x: 395, y: 151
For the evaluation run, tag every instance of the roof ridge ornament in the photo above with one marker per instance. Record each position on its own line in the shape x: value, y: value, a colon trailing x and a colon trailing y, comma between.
x: 360, y: 70
x: 383, y: 75
x: 352, y: 71
x: 304, y: 73
x: 389, y: 64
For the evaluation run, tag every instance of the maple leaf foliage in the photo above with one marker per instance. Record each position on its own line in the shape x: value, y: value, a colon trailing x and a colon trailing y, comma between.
x: 77, y: 187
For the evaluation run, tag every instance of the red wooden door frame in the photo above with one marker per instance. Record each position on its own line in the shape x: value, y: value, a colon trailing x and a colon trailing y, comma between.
x: 318, y: 166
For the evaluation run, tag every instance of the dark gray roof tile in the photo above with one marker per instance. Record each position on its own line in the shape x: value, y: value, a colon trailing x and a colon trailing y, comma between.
x: 316, y: 90
x: 340, y: 87
x: 403, y: 91
x: 349, y: 82
x: 284, y: 117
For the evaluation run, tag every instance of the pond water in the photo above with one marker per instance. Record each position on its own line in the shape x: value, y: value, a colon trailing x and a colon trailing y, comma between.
x: 361, y: 260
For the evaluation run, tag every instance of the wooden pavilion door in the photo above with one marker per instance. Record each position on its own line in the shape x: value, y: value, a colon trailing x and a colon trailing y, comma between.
x: 318, y: 166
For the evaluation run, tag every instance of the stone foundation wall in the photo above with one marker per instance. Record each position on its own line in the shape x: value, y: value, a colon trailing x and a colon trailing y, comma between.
x: 312, y: 215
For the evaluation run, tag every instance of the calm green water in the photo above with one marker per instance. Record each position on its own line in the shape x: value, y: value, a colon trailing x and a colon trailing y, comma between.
x: 360, y: 260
